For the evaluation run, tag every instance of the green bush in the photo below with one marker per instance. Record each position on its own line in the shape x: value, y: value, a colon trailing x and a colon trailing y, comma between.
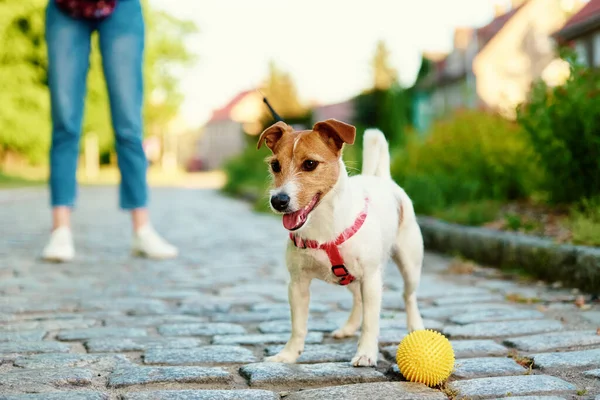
x: 563, y: 125
x: 472, y: 157
x: 585, y: 222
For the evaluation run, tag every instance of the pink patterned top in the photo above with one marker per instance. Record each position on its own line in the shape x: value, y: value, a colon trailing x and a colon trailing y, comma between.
x: 87, y: 9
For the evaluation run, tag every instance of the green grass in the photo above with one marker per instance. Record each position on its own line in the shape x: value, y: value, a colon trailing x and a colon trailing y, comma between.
x: 585, y: 223
x: 472, y: 214
x: 12, y: 182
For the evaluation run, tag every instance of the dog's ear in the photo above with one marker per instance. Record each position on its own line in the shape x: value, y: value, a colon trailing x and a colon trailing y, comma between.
x: 272, y: 134
x: 335, y: 133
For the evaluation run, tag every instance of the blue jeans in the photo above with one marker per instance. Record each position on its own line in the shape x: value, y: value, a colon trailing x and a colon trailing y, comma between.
x: 122, y: 46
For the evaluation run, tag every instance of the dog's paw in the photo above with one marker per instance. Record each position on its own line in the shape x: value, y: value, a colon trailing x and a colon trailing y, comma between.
x: 283, y: 357
x: 365, y: 360
x: 343, y: 332
x: 415, y: 324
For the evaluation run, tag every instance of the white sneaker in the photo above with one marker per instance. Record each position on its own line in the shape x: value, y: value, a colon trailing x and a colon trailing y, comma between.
x: 60, y: 248
x: 148, y: 243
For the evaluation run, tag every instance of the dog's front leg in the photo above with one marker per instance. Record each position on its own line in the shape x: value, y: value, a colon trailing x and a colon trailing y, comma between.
x: 368, y: 344
x: 299, y: 298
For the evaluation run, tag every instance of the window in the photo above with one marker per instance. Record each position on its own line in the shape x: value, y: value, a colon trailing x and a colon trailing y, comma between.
x: 596, y: 49
x: 581, y: 52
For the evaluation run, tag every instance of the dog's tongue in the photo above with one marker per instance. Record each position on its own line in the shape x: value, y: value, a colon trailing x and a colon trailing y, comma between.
x: 292, y: 220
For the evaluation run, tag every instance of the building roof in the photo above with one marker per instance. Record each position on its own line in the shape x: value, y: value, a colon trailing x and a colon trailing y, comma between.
x: 343, y: 111
x: 487, y: 32
x: 224, y: 113
x: 584, y: 21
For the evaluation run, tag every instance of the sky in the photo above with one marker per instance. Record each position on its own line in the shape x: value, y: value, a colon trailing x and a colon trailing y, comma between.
x: 326, y: 45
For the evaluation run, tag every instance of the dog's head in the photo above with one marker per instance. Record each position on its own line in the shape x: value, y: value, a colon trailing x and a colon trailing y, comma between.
x: 305, y: 166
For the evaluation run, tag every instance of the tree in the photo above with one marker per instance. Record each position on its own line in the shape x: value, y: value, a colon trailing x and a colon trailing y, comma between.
x: 385, y: 105
x: 384, y: 75
x: 24, y: 98
x: 280, y: 90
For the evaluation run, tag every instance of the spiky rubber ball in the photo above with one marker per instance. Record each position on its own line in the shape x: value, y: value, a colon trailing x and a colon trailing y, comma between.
x: 425, y: 356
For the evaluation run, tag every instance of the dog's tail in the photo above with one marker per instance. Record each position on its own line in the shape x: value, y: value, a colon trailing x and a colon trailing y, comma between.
x: 376, y: 154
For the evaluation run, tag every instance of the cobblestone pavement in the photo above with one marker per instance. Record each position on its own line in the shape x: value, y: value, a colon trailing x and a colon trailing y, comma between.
x: 112, y: 327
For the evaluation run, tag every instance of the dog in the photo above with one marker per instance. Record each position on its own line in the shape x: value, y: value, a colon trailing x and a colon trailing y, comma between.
x: 342, y: 229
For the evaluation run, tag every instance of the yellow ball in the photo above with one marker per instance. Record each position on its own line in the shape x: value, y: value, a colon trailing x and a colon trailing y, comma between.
x: 426, y: 357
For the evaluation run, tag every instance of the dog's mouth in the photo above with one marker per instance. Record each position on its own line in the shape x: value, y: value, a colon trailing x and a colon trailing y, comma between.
x: 295, y: 220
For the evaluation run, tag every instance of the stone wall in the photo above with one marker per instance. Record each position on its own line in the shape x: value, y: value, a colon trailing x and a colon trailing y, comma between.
x: 574, y: 266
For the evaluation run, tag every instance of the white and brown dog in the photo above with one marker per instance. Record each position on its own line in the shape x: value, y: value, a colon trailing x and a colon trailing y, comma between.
x: 343, y: 229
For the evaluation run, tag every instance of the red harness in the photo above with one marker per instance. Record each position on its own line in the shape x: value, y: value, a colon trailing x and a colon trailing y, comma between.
x: 331, y: 248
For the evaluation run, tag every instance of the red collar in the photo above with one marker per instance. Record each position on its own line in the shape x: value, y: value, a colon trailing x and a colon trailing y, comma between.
x: 331, y: 248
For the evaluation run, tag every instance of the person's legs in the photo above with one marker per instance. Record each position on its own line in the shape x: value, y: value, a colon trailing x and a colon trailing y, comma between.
x: 68, y: 42
x: 122, y: 47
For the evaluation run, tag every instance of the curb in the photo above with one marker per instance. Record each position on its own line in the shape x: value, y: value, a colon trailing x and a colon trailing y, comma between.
x: 574, y: 266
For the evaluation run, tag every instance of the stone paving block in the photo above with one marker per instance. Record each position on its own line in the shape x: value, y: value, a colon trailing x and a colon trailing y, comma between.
x: 592, y: 316
x: 133, y: 305
x: 399, y: 322
x: 152, y: 320
x: 468, y: 299
x: 437, y: 288
x: 392, y: 336
x: 139, y: 344
x: 36, y: 380
x: 462, y: 349
x: 594, y: 373
x: 101, y: 332
x: 285, y: 326
x: 391, y: 301
x: 555, y: 340
x: 201, y: 355
x: 201, y: 329
x: 174, y: 294
x: 321, y: 353
x: 371, y: 391
x: 104, y: 362
x: 71, y: 395
x: 532, y: 398
x: 251, y: 316
x: 486, y: 366
x: 207, y: 304
x: 33, y: 347
x: 510, y: 385
x: 569, y: 359
x: 443, y: 312
x: 495, y: 315
x: 314, y: 307
x: 266, y: 338
x: 48, y: 325
x: 477, y: 348
x: 502, y: 328
x: 244, y: 394
x: 123, y: 377
x: 303, y: 374
x: 22, y: 336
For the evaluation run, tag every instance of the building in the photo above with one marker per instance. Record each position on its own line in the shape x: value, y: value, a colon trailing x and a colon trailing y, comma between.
x: 450, y: 84
x: 582, y: 30
x: 515, y: 49
x: 224, y: 135
x: 343, y: 111
x: 493, y: 66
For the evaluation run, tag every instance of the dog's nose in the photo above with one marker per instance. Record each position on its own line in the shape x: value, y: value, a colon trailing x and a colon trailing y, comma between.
x: 280, y: 201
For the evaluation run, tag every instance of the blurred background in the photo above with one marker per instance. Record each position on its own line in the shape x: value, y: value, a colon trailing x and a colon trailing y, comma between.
x: 490, y: 106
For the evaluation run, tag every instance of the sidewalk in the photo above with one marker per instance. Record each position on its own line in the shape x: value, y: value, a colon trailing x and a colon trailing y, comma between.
x: 109, y: 326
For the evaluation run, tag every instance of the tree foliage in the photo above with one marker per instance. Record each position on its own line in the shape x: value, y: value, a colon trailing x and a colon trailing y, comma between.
x: 24, y: 99
x: 384, y: 75
x: 280, y: 89
x: 385, y: 105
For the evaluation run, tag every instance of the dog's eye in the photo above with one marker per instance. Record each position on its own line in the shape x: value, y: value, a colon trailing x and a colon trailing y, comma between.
x: 309, y: 165
x: 275, y: 166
